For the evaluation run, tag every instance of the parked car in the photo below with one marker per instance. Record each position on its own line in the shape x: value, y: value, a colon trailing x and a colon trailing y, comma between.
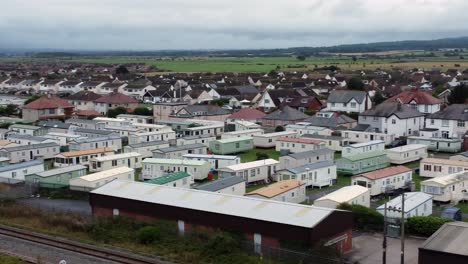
x: 452, y: 213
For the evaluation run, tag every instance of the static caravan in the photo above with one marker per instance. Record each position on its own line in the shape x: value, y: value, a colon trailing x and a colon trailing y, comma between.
x: 296, y: 145
x: 138, y: 119
x: 254, y: 171
x: 62, y: 138
x: 363, y: 157
x: 304, y: 128
x: 318, y: 174
x: 56, y: 178
x: 216, y: 161
x: 293, y: 160
x: 16, y: 172
x: 432, y: 167
x: 407, y: 153
x: 93, y: 133
x: 202, y: 139
x: 146, y: 148
x: 229, y: 185
x: 176, y: 152
x: 22, y: 153
x: 291, y: 191
x: 268, y: 140
x: 131, y: 160
x: 28, y: 130
x: 332, y: 142
x: 141, y: 137
x: 152, y: 127
x: 353, y: 194
x: 92, y: 181
x: 80, y: 157
x: 154, y: 168
x: 28, y: 139
x: 451, y: 145
x: 114, y: 142
x: 384, y: 180
x: 460, y: 156
x: 416, y: 204
x: 447, y: 188
x: 176, y: 179
x: 231, y: 145
x: 243, y: 133
x: 356, y: 136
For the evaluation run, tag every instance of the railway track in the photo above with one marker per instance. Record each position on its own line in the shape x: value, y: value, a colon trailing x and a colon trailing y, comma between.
x: 76, y: 247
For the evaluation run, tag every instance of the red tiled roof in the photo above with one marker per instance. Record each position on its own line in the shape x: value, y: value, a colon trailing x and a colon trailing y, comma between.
x: 247, y: 113
x: 300, y: 140
x: 87, y: 113
x: 383, y: 173
x: 116, y: 98
x: 46, y: 102
x: 418, y: 96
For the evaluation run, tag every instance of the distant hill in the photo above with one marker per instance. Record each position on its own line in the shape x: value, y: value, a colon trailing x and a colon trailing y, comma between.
x: 428, y: 45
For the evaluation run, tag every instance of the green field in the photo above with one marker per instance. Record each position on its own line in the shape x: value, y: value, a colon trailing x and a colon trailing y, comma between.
x: 266, y: 64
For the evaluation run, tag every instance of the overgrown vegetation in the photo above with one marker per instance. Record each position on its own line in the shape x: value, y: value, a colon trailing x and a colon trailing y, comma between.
x: 366, y: 219
x: 116, y: 111
x: 157, y: 238
x: 425, y: 225
x: 143, y: 110
x: 4, y: 259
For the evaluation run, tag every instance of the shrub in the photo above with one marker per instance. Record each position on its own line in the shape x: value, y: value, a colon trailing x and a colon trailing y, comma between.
x: 279, y: 129
x: 221, y: 244
x: 262, y: 156
x: 364, y: 218
x: 148, y: 235
x: 425, y: 225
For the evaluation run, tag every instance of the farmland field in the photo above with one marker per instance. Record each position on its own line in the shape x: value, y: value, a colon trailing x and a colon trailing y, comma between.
x: 266, y: 64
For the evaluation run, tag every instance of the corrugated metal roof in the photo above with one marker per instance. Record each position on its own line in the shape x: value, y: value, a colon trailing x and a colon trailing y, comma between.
x: 366, y: 155
x: 207, y: 156
x: 277, y: 134
x: 232, y: 205
x: 450, y: 238
x: 408, y: 147
x: 312, y: 166
x: 311, y: 153
x: 220, y: 184
x: 447, y: 179
x: 234, y: 139
x: 365, y: 144
x: 21, y: 165
x: 32, y: 146
x: 344, y: 194
x: 179, y: 148
x: 252, y: 164
x: 53, y: 172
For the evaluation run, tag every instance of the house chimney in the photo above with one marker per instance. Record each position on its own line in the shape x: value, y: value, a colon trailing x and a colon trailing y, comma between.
x: 398, y: 106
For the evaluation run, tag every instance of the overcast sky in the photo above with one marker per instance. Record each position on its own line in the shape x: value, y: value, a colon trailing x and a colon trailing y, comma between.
x: 221, y: 24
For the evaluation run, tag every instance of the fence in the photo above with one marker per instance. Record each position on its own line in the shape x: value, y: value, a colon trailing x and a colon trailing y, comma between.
x: 29, y: 189
x: 17, y: 191
x: 289, y: 256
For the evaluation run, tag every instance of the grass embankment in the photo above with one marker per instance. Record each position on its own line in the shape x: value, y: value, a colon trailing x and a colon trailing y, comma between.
x: 5, y: 259
x: 200, y: 246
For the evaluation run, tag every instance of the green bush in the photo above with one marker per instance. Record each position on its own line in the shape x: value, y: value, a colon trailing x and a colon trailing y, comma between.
x: 364, y: 218
x: 262, y: 156
x: 148, y: 235
x: 221, y: 244
x: 425, y: 225
x: 279, y: 129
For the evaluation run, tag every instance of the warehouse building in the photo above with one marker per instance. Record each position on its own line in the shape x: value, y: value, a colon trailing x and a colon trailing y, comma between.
x: 264, y: 222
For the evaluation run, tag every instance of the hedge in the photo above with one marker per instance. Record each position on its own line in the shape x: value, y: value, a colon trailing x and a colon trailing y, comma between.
x: 425, y: 225
x: 364, y: 218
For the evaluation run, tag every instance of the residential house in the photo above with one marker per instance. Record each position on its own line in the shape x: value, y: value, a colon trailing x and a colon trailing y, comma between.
x: 348, y: 101
x: 16, y: 173
x: 421, y: 101
x: 178, y: 179
x: 95, y: 180
x: 393, y: 119
x: 407, y: 153
x: 83, y: 100
x: 202, y: 112
x: 447, y: 188
x: 246, y: 114
x: 47, y: 107
x: 354, y: 194
x: 254, y: 171
x: 363, y: 157
x: 56, y: 178
x: 282, y: 117
x: 318, y: 174
x: 291, y: 191
x: 229, y: 185
x: 131, y: 160
x: 231, y: 145
x: 69, y: 87
x: 451, y: 122
x: 164, y: 110
x: 114, y: 100
x: 80, y: 157
x: 384, y: 180
x: 154, y: 168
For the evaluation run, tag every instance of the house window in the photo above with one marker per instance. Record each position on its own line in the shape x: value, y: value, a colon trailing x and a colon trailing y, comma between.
x: 432, y: 121
x: 353, y: 105
x: 461, y: 123
x: 445, y: 123
x: 393, y: 121
x: 252, y: 172
x: 13, y: 175
x: 114, y: 163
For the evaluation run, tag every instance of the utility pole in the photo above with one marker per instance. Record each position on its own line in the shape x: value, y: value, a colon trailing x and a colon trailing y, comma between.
x: 402, y: 261
x: 384, y: 243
